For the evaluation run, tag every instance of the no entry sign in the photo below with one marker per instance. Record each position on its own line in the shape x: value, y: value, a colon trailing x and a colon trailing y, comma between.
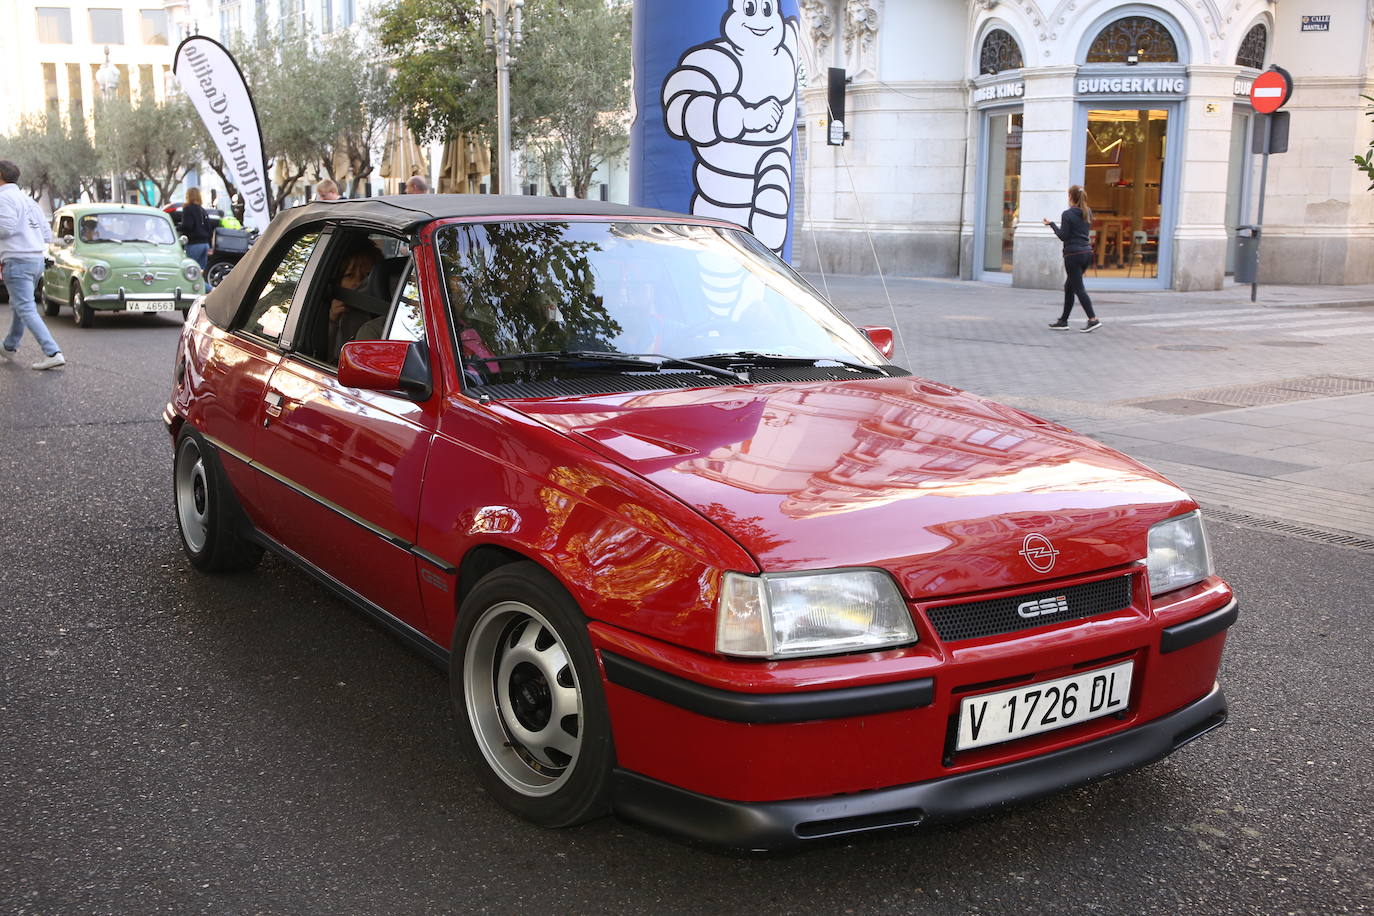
x: 1270, y: 90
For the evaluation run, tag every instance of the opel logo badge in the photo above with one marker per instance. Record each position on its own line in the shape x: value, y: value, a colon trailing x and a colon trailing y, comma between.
x: 1038, y: 552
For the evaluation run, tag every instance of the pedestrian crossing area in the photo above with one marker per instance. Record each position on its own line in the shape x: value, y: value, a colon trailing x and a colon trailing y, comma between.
x: 1305, y: 323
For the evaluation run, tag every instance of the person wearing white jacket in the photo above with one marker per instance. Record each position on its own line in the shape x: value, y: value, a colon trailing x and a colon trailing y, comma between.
x: 24, y: 233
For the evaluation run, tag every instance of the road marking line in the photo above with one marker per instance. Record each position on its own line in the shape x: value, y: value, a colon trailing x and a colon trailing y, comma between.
x: 1251, y: 320
x: 1169, y: 315
x: 1351, y: 329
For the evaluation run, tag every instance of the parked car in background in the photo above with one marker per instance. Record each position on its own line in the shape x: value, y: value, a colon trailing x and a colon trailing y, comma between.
x: 691, y: 546
x: 117, y: 258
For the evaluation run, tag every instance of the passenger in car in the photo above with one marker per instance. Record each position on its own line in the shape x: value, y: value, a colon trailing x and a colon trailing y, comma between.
x: 344, y: 319
x: 380, y: 289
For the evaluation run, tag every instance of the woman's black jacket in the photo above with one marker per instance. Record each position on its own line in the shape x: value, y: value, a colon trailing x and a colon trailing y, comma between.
x: 1074, y: 232
x: 195, y: 224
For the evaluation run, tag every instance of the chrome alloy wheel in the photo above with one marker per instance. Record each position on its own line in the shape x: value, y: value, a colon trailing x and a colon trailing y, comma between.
x: 192, y: 495
x: 523, y: 699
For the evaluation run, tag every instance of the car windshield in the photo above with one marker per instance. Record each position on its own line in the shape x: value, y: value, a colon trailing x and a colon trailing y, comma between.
x: 126, y: 227
x: 542, y: 292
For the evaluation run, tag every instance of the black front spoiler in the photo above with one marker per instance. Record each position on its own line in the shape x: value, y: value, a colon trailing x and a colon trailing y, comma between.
x: 780, y: 825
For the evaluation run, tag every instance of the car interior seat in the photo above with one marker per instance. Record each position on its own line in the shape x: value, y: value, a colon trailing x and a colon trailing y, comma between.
x: 368, y: 304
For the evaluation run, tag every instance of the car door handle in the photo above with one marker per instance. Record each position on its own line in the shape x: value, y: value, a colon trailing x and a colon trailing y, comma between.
x: 274, y: 401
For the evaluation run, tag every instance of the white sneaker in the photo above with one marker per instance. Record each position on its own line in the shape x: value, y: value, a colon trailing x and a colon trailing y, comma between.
x: 7, y: 353
x: 50, y: 362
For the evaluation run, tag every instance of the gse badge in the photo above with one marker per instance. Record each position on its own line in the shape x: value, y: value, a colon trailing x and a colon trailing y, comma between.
x: 1042, y: 606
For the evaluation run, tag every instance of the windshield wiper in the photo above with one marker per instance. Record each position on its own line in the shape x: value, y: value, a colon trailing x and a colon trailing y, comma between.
x: 653, y: 361
x: 755, y: 358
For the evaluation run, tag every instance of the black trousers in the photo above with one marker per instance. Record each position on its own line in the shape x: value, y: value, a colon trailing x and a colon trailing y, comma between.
x: 1074, y: 265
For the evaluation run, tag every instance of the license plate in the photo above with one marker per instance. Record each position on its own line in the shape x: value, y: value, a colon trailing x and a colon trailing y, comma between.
x: 150, y: 306
x: 992, y: 718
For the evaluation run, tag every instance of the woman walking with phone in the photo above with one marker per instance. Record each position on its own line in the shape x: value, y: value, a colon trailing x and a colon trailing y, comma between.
x: 1078, y: 257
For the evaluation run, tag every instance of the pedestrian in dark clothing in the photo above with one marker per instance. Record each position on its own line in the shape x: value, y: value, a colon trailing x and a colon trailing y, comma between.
x: 1073, y: 231
x: 195, y: 225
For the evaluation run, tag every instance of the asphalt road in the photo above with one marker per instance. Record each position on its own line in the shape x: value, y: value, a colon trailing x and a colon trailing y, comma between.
x: 176, y: 743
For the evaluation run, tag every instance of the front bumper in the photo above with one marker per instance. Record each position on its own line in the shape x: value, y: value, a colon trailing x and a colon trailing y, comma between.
x: 784, y: 824
x: 125, y: 301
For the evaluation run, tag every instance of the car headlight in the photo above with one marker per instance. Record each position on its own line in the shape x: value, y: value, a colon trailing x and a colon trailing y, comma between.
x: 191, y: 272
x: 99, y: 272
x: 1178, y: 553
x: 790, y: 615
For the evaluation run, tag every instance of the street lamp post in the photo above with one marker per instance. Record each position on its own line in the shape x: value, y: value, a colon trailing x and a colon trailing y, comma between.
x: 501, y: 31
x: 108, y: 78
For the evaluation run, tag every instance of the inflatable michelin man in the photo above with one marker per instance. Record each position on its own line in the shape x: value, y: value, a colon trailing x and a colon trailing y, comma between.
x: 735, y: 100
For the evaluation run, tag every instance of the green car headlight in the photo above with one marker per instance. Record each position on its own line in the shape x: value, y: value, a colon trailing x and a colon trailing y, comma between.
x: 99, y: 273
x: 191, y: 272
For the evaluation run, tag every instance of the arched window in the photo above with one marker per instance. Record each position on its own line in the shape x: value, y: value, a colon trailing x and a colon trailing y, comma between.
x: 1133, y: 40
x: 1251, y: 53
x: 1000, y: 52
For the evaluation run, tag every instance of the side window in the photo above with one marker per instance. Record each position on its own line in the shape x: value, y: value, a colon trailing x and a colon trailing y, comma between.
x: 352, y: 293
x: 268, y: 316
x: 408, y: 318
x: 65, y: 227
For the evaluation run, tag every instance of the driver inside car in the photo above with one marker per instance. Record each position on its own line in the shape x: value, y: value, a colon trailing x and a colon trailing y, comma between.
x: 344, y: 319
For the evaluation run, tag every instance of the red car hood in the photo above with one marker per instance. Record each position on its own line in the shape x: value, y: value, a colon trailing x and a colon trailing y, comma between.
x: 942, y: 488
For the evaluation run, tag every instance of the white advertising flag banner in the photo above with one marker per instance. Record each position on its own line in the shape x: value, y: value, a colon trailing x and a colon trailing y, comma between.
x: 212, y: 80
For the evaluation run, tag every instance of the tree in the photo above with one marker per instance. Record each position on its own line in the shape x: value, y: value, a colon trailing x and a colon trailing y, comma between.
x: 582, y: 108
x: 279, y: 72
x: 321, y: 102
x: 1365, y: 163
x: 445, y: 79
x: 158, y: 143
x: 360, y: 101
x: 54, y: 156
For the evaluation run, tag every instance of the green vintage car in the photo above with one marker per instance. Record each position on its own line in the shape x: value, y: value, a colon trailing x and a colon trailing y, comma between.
x: 117, y: 258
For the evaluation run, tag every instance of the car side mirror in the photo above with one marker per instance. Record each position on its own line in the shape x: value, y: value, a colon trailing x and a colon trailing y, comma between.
x: 882, y: 338
x: 68, y: 241
x: 386, y: 365
x: 182, y: 239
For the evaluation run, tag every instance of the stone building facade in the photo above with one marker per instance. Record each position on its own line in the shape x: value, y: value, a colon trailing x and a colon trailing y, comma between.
x: 968, y: 119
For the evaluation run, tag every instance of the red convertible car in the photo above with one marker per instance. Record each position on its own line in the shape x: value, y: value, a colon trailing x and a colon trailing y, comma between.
x: 692, y: 548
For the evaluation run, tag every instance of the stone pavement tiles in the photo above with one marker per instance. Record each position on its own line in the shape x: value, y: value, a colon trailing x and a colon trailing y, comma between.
x: 1198, y: 385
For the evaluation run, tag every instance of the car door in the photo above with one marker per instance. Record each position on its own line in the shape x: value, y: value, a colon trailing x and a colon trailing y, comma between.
x: 56, y: 278
x: 238, y: 362
x: 342, y: 466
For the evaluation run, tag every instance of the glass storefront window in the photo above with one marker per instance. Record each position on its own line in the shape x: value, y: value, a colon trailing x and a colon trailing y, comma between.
x: 1123, y: 176
x: 1236, y: 181
x: 1002, y: 195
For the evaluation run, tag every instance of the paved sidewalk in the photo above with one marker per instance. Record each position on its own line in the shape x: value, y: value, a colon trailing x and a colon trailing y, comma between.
x: 1262, y: 410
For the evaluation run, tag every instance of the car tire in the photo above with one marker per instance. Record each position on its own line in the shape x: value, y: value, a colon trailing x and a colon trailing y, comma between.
x: 206, y: 510
x: 526, y: 687
x: 82, y: 314
x: 216, y: 273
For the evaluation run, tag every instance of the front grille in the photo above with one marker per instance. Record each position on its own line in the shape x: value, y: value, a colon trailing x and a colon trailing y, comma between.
x: 975, y: 619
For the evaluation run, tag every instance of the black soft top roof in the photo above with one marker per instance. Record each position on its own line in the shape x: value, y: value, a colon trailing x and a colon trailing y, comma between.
x: 402, y: 214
